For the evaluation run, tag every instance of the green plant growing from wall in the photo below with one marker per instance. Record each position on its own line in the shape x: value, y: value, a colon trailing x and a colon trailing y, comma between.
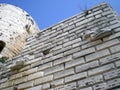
x: 2, y: 59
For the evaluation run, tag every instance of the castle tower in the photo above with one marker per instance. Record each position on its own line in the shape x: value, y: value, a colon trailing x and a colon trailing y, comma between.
x: 15, y: 26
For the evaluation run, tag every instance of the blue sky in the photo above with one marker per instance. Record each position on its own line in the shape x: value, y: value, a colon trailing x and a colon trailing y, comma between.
x: 49, y: 12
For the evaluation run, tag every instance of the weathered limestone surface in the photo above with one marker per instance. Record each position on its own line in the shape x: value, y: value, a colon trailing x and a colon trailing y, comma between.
x: 62, y: 58
x: 15, y: 26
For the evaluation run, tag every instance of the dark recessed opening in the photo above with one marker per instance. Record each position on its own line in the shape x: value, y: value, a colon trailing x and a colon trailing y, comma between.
x: 2, y: 45
x: 45, y: 52
x: 27, y: 28
x: 86, y: 12
x: 31, y: 53
x: 15, y: 88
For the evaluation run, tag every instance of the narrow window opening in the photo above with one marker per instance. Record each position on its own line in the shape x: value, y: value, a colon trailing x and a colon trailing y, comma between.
x: 2, y: 45
x: 45, y: 52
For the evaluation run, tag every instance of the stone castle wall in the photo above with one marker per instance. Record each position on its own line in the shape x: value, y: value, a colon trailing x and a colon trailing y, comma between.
x: 80, y: 53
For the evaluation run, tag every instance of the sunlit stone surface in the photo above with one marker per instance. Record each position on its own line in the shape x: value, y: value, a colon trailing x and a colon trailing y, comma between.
x: 15, y: 26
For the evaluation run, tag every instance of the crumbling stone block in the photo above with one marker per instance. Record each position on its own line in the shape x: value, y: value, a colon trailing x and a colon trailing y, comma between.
x: 98, y: 34
x: 17, y: 65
